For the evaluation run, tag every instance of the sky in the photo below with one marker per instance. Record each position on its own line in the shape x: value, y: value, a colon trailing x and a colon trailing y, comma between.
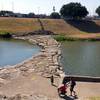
x: 44, y: 6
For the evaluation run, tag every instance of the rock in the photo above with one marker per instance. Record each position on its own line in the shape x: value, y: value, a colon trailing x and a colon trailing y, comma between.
x: 53, y: 68
x: 3, y: 97
x: 31, y: 70
x: 9, y: 73
x: 23, y: 68
x: 3, y: 81
x: 17, y: 97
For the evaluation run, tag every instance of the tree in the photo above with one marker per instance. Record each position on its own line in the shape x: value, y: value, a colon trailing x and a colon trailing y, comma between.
x: 6, y: 13
x: 74, y: 11
x: 55, y: 15
x: 31, y: 15
x: 98, y: 10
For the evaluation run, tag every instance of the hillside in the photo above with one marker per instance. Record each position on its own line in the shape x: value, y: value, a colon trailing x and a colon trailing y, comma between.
x: 16, y: 25
x: 58, y: 26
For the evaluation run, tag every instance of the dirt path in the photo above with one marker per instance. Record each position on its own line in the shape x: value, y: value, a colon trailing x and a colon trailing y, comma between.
x: 87, y: 89
x: 34, y: 84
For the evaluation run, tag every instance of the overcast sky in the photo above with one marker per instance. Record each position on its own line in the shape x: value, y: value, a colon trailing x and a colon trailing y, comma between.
x: 44, y: 6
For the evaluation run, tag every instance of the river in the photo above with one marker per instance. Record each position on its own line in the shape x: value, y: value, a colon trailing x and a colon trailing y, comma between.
x: 81, y: 58
x: 15, y: 51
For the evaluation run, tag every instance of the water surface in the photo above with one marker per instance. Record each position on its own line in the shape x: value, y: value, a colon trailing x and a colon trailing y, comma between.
x: 15, y: 51
x: 81, y: 58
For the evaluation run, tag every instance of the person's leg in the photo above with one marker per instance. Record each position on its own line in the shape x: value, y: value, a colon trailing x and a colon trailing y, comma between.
x: 74, y: 92
x: 71, y: 91
x: 75, y: 95
x: 52, y: 81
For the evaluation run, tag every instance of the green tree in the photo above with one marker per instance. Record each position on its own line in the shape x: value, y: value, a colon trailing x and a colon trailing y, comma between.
x: 31, y: 15
x: 55, y: 15
x: 74, y: 11
x: 98, y: 10
x: 6, y: 13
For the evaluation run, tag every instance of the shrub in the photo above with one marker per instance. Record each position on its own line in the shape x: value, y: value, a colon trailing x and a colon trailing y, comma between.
x: 60, y: 37
x: 55, y: 15
x: 5, y: 35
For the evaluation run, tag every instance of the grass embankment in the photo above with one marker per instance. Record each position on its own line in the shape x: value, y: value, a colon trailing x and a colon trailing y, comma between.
x: 70, y: 29
x: 18, y: 25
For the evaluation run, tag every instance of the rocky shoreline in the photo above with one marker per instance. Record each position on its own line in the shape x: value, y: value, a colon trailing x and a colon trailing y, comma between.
x: 45, y: 63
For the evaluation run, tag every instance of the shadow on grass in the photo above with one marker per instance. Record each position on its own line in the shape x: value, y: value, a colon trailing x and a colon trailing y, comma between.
x: 85, y: 25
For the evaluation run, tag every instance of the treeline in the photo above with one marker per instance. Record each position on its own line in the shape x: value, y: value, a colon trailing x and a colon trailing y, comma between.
x: 71, y: 10
x: 5, y: 13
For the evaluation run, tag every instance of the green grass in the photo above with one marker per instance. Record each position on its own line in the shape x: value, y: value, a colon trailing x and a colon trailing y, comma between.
x: 59, y: 38
x: 3, y: 33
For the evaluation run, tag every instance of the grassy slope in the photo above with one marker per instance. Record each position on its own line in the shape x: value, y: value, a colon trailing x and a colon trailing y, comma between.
x: 59, y: 26
x: 28, y: 24
x: 17, y: 25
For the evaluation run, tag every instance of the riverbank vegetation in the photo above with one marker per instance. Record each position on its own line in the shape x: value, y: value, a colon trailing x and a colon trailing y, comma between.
x: 5, y: 35
x: 61, y: 38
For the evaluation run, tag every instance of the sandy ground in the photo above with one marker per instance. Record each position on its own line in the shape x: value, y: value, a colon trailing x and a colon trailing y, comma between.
x: 86, y: 36
x: 87, y: 89
x: 34, y: 84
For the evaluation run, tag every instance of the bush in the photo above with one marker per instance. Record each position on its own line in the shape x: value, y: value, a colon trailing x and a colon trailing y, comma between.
x: 60, y: 38
x: 55, y: 15
x: 5, y: 35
